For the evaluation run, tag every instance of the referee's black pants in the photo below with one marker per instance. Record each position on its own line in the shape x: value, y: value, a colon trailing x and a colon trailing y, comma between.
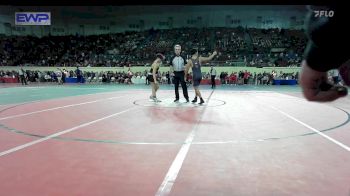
x: 180, y: 78
x: 213, y: 85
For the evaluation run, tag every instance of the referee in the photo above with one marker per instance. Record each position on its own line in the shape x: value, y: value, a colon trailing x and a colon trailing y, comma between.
x: 177, y: 65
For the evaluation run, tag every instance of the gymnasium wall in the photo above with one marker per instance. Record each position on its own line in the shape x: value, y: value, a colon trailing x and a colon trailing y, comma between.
x: 104, y: 20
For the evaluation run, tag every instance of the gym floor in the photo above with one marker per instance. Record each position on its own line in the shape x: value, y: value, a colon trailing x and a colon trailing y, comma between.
x: 112, y: 140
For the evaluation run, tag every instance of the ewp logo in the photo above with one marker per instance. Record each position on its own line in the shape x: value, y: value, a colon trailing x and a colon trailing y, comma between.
x: 33, y: 18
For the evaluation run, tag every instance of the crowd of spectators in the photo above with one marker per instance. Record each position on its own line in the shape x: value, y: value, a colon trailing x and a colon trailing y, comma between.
x: 255, y: 47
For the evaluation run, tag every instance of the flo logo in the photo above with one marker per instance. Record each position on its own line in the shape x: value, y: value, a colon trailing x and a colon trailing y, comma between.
x: 323, y: 13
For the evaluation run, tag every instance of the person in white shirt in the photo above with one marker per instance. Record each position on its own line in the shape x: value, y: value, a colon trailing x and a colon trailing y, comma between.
x: 22, y: 76
x: 213, y: 76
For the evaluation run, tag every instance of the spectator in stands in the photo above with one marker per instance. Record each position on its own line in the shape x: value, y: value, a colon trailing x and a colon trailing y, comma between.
x: 168, y: 77
x: 335, y: 76
x: 246, y: 76
x: 233, y: 78
x: 64, y: 74
x: 22, y: 76
x: 59, y: 76
x: 78, y: 74
x: 222, y: 78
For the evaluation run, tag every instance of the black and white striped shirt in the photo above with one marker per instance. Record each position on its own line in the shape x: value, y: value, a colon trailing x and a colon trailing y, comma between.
x: 213, y: 72
x: 178, y: 62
